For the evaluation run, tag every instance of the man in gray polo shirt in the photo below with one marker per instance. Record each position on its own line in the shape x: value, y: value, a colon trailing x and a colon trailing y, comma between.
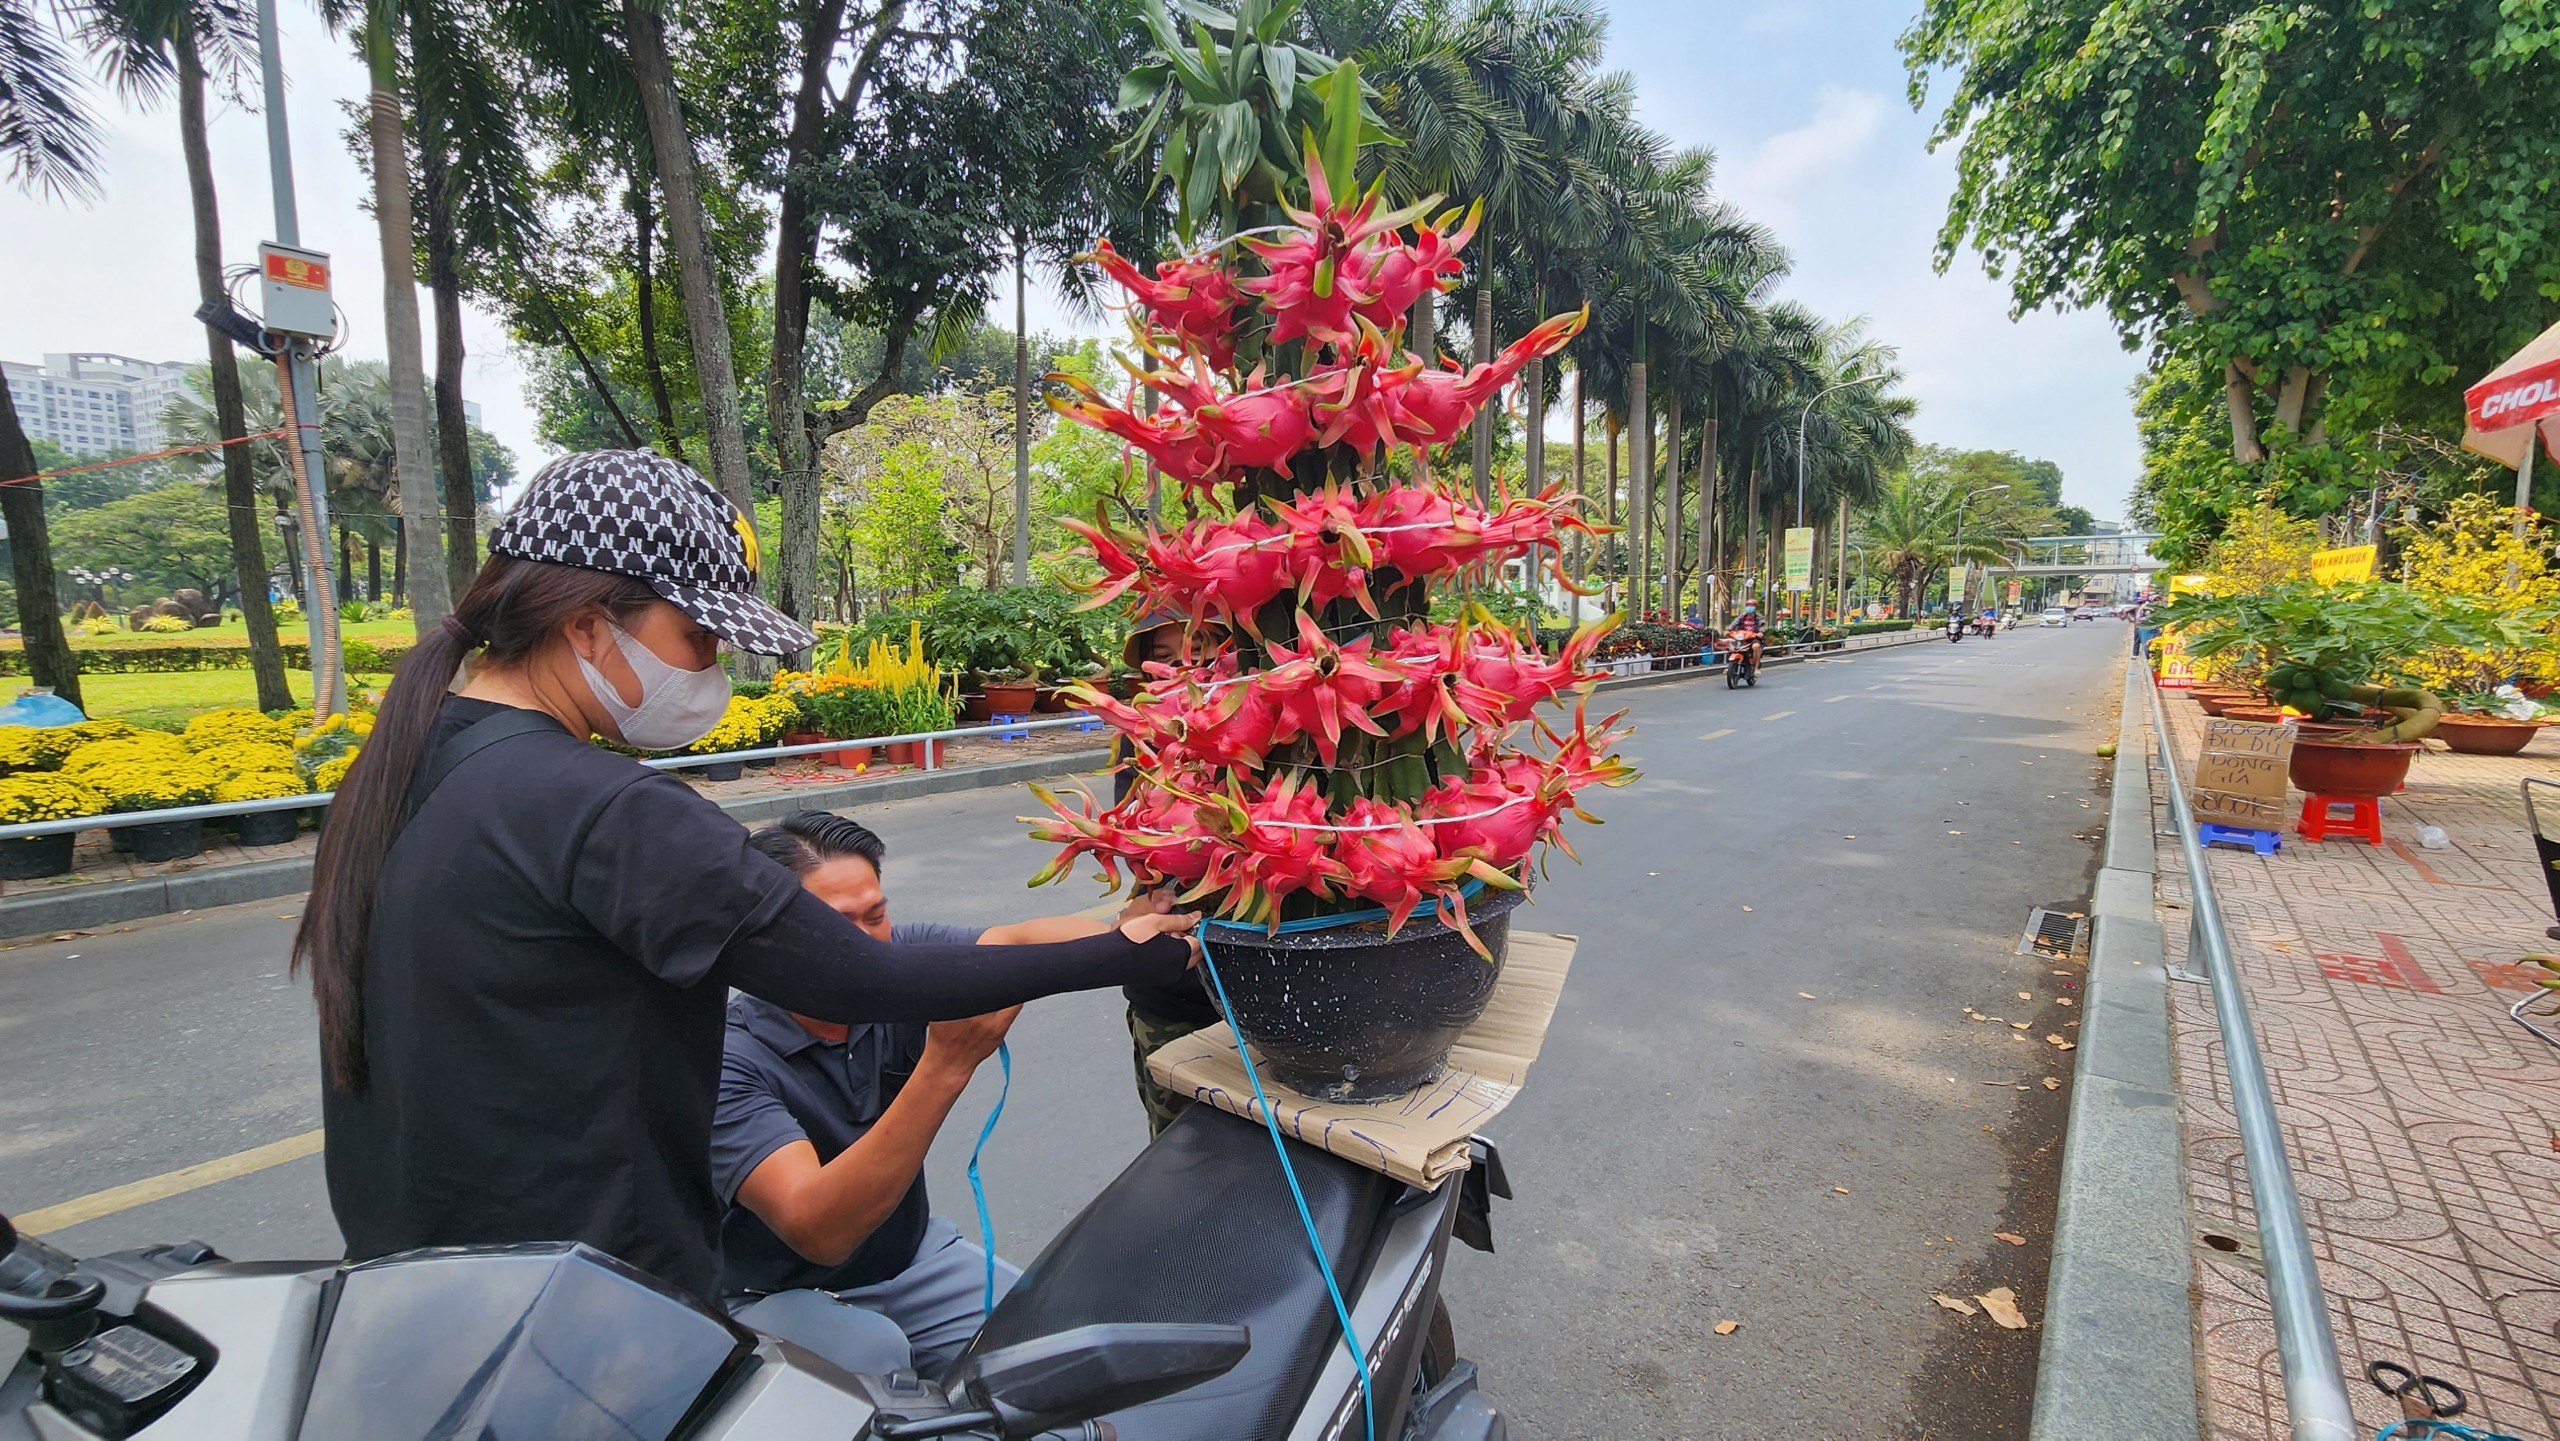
x: 819, y: 1142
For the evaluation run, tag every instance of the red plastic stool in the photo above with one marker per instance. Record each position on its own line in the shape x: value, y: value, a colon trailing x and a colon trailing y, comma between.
x: 2363, y: 821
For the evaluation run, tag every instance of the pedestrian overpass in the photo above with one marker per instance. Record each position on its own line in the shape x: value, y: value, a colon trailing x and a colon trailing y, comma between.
x: 2119, y: 553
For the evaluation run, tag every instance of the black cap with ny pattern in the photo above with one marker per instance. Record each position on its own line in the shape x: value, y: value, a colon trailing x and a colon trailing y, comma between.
x: 640, y: 514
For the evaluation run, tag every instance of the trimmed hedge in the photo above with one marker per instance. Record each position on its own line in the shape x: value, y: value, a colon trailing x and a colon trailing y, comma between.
x: 363, y: 657
x: 1874, y: 627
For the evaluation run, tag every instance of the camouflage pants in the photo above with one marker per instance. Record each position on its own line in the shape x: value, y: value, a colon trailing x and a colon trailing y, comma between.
x: 1146, y: 1034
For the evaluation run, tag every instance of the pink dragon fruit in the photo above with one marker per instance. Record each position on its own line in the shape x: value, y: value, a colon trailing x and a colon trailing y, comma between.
x: 1320, y: 687
x: 1192, y: 300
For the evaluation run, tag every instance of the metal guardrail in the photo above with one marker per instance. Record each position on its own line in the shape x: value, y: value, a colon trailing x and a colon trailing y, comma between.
x: 931, y: 761
x: 2315, y: 1389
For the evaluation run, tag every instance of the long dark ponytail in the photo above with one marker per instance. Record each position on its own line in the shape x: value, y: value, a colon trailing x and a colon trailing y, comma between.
x: 513, y: 608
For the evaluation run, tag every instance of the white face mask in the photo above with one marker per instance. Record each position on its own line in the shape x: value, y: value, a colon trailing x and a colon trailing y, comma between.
x: 677, y: 707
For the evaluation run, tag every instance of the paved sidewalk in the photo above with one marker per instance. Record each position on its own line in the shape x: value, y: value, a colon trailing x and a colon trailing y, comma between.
x: 2424, y: 1126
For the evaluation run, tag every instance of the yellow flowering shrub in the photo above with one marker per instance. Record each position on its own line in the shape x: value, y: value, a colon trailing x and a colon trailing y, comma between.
x: 332, y: 739
x: 2260, y: 547
x: 2473, y: 552
x: 259, y: 786
x: 104, y: 730
x: 154, y: 783
x: 247, y: 758
x: 330, y: 773
x: 46, y: 798
x: 235, y: 725
x: 750, y: 721
x: 38, y: 748
x: 140, y: 748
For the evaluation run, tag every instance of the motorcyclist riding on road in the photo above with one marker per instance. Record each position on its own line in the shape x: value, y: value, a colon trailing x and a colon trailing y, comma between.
x: 1747, y: 631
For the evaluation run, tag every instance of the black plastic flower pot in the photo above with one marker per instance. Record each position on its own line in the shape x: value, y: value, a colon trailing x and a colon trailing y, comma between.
x: 33, y: 858
x: 724, y: 770
x: 165, y: 840
x: 267, y: 828
x: 1346, y: 1014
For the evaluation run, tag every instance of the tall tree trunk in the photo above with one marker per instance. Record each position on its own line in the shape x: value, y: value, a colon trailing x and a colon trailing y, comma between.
x: 1483, y: 459
x: 372, y: 569
x: 346, y: 566
x: 1639, y: 488
x: 644, y: 272
x: 49, y: 658
x: 1751, y: 535
x: 794, y: 256
x: 399, y: 561
x: 429, y: 600
x: 1423, y: 337
x: 706, y: 316
x: 242, y: 505
x: 2240, y: 397
x: 1617, y: 538
x: 1710, y: 482
x: 453, y: 426
x: 1021, y: 410
x: 1581, y: 492
x: 1671, y: 527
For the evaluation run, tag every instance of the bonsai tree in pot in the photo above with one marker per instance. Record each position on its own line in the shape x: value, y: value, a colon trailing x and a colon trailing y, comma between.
x: 2340, y: 656
x: 1339, y: 779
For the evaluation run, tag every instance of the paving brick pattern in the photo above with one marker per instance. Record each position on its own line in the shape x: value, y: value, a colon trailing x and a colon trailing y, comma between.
x: 2423, y: 1124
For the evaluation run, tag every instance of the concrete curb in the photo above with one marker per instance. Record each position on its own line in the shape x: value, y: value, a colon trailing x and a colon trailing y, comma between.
x: 113, y: 903
x: 2119, y: 1356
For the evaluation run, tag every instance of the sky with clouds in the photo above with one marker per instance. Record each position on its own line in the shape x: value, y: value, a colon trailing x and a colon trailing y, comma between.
x: 1803, y: 103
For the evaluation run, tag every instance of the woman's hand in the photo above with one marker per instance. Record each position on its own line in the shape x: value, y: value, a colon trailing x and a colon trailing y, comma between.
x: 1145, y: 928
x: 1148, y: 903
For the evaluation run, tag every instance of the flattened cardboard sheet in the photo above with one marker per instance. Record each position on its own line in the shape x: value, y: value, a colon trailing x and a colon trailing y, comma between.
x: 1421, y: 1136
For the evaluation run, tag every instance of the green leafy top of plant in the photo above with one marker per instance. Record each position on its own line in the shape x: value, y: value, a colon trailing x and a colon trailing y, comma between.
x: 2316, y: 645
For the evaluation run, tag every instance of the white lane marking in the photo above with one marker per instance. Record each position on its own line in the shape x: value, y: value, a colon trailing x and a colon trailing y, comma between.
x: 1777, y: 715
x: 1717, y: 735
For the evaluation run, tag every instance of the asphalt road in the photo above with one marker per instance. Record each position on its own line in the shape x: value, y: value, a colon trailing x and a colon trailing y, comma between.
x: 1762, y: 1100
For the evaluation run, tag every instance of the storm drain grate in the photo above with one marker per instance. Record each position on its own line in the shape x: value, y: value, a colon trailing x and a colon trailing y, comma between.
x: 2053, y: 934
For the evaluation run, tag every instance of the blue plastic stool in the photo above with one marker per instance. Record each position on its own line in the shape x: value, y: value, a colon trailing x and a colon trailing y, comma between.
x: 1007, y: 724
x: 2265, y: 843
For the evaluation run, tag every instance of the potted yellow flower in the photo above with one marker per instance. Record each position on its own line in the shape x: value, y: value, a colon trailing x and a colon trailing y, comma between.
x: 155, y: 784
x: 39, y: 797
x: 114, y: 744
x: 264, y: 828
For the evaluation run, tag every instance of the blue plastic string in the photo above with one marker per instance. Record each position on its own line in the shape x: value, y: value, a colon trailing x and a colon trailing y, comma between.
x: 1328, y: 922
x: 2425, y: 1427
x: 978, y: 1188
x: 1315, y: 1242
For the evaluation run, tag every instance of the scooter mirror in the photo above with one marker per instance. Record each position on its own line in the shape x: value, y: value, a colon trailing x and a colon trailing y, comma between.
x: 1059, y: 1380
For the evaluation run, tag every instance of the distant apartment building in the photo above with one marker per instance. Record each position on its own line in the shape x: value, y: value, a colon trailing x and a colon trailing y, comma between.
x: 95, y: 403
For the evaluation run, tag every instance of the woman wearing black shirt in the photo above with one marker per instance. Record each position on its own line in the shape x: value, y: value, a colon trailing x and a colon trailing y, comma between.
x: 521, y: 945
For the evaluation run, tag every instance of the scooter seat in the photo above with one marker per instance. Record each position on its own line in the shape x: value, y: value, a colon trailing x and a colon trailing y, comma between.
x: 1200, y: 1228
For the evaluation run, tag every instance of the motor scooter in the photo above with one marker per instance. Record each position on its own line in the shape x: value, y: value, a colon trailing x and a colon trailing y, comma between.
x: 1742, y: 660
x: 1182, y: 1304
x: 1955, y: 628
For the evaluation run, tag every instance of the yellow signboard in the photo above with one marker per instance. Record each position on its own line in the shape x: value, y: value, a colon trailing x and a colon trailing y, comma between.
x: 2354, y: 562
x: 2187, y: 585
x: 1799, y: 557
x: 2175, y: 670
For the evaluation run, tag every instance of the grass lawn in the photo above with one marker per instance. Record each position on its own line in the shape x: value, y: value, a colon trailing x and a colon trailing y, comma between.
x: 237, y: 633
x: 164, y: 701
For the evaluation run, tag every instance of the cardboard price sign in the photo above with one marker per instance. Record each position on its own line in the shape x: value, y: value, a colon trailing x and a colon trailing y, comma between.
x: 2240, y: 774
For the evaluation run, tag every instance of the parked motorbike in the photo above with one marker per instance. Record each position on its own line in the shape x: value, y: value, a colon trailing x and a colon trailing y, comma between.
x: 1181, y: 1305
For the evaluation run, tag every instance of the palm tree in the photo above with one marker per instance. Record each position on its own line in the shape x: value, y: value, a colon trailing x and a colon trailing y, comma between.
x: 149, y: 47
x: 48, y: 145
x: 382, y: 30
x: 358, y: 446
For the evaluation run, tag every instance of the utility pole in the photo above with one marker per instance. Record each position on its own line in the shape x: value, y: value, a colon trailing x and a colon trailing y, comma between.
x: 298, y: 313
x: 1021, y: 414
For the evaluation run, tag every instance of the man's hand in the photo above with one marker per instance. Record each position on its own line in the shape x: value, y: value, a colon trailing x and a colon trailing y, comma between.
x: 1157, y: 902
x: 958, y: 1046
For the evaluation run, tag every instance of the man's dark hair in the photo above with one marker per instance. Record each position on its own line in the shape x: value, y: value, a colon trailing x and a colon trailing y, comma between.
x: 806, y: 840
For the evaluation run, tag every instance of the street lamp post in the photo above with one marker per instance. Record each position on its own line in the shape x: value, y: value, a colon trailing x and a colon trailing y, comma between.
x: 1956, y: 604
x: 1804, y: 417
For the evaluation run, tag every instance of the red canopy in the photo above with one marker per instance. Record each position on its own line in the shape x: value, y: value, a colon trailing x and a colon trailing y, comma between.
x: 2513, y: 401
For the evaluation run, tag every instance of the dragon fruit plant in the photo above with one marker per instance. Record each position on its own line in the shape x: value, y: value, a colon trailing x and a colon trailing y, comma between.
x: 1324, y: 746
